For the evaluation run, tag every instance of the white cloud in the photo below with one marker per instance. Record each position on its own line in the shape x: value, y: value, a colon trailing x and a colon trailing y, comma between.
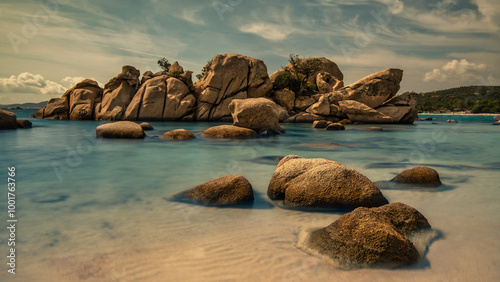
x: 192, y: 16
x: 69, y: 81
x: 273, y: 32
x: 30, y: 83
x: 463, y: 72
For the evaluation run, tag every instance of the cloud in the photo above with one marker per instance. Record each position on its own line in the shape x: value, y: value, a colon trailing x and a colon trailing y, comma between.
x: 30, y: 83
x: 69, y: 81
x: 192, y: 16
x: 273, y: 32
x: 463, y: 72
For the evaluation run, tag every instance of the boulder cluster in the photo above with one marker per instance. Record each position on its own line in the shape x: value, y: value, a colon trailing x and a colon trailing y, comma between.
x: 375, y: 233
x: 229, y: 79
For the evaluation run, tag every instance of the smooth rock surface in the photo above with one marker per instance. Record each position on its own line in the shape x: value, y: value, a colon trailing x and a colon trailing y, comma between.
x: 120, y: 129
x: 421, y: 175
x: 372, y: 236
x: 229, y: 131
x: 321, y: 183
x: 223, y: 191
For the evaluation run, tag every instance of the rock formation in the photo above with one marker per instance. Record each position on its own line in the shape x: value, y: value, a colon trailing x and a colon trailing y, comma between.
x: 321, y: 183
x: 371, y: 236
x: 118, y: 93
x: 319, y: 94
x: 229, y: 77
x: 77, y: 103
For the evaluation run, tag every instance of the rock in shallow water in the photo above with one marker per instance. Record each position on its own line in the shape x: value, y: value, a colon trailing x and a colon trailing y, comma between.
x: 178, y: 134
x: 420, y: 175
x: 120, y: 129
x: 371, y: 236
x: 223, y: 191
x: 321, y: 183
x: 229, y: 131
x: 146, y: 126
x: 8, y: 120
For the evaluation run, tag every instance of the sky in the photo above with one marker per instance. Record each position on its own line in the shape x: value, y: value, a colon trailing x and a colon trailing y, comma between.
x: 46, y: 46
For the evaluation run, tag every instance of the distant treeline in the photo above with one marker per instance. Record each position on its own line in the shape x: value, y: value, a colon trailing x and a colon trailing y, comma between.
x: 474, y: 99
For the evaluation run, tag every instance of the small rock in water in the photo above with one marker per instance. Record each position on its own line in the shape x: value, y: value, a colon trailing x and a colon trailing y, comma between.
x: 451, y: 121
x: 178, y: 134
x: 24, y: 123
x: 120, y: 129
x: 229, y: 131
x: 497, y: 117
x: 320, y: 124
x: 146, y: 126
x: 420, y: 175
x: 223, y: 191
x: 496, y: 122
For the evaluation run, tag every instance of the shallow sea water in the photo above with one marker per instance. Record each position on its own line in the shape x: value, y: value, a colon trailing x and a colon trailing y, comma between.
x: 95, y: 209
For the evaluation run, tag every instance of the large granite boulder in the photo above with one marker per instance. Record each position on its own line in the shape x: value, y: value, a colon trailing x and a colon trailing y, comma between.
x: 321, y: 183
x: 496, y: 117
x: 402, y: 108
x: 257, y: 114
x: 223, y: 191
x: 118, y: 93
x: 8, y: 120
x: 371, y: 237
x: 421, y: 175
x: 77, y: 103
x: 229, y: 132
x: 178, y: 134
x: 375, y: 89
x: 161, y: 98
x: 120, y: 129
x: 361, y: 113
x: 229, y: 77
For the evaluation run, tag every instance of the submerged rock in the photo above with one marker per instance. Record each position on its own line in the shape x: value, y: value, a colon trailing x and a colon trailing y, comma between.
x: 372, y: 236
x: 8, y: 120
x: 178, y: 134
x: 24, y: 123
x: 223, y: 191
x: 120, y: 129
x: 421, y: 175
x: 229, y: 131
x: 320, y: 124
x: 321, y: 183
x: 335, y: 126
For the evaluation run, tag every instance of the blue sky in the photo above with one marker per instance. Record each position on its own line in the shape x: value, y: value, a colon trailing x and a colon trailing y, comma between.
x: 47, y: 46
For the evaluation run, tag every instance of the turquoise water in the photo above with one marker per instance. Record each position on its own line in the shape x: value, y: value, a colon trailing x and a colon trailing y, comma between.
x: 82, y: 201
